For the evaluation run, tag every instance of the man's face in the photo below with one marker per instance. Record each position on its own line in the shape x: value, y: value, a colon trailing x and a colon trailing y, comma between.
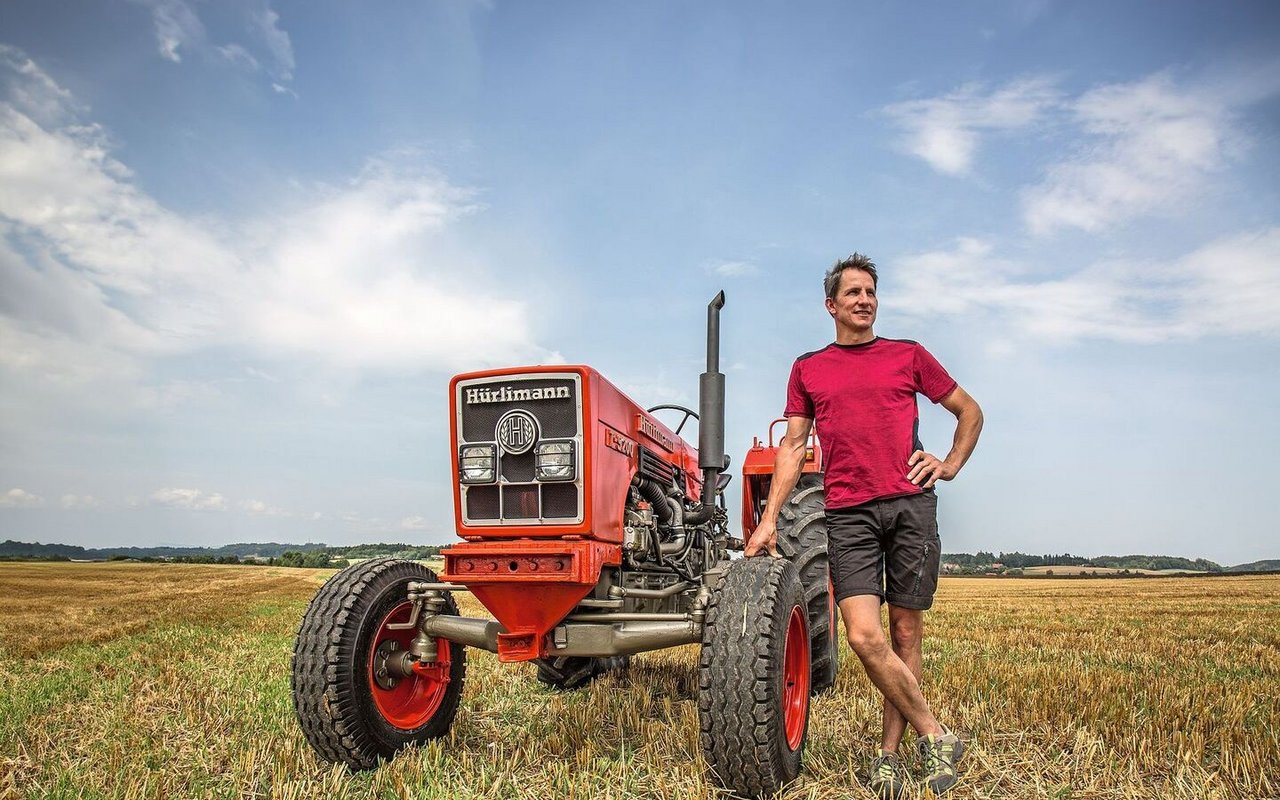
x: 855, y: 304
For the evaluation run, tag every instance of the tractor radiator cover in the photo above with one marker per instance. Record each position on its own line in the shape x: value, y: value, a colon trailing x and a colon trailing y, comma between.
x: 513, y: 411
x: 549, y: 407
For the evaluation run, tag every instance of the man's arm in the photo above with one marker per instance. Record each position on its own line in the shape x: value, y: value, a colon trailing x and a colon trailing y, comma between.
x: 787, y: 466
x: 926, y: 469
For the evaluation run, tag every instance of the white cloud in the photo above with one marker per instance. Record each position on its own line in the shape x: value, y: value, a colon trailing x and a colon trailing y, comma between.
x: 99, y: 279
x: 80, y: 501
x: 945, y: 131
x: 189, y: 499
x: 277, y: 42
x: 732, y: 269
x: 179, y: 31
x: 1150, y: 147
x: 239, y: 56
x: 30, y: 89
x: 1228, y: 287
x: 1146, y: 147
x: 20, y: 498
x: 262, y: 508
x: 176, y: 25
x: 413, y: 524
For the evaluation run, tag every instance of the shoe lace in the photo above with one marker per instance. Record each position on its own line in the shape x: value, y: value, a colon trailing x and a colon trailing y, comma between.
x: 937, y: 756
x: 886, y: 768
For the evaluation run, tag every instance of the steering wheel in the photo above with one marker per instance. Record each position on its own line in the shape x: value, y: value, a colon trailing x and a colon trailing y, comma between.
x: 688, y: 412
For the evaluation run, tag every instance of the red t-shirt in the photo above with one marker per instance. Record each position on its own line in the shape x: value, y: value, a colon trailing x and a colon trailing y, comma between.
x: 862, y: 398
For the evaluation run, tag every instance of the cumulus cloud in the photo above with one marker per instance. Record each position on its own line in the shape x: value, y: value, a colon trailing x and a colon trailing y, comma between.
x: 235, y: 54
x: 189, y: 499
x: 413, y: 523
x: 1144, y: 147
x: 265, y: 23
x: 179, y: 31
x: 80, y: 501
x: 28, y: 88
x: 20, y: 498
x: 176, y: 26
x: 1228, y: 287
x: 945, y: 131
x: 262, y: 508
x: 1149, y: 146
x: 99, y: 279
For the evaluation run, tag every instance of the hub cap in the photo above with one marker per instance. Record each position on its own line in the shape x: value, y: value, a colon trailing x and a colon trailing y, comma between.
x: 406, y: 703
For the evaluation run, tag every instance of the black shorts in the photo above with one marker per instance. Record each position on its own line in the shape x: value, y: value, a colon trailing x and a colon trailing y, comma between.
x: 888, y: 548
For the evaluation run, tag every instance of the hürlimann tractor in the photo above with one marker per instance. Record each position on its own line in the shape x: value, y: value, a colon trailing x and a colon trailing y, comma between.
x: 591, y: 531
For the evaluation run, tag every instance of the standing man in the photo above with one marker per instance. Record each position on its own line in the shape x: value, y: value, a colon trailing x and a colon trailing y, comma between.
x: 882, y: 526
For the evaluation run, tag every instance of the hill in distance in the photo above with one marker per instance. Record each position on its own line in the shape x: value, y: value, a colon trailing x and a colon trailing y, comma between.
x: 962, y: 563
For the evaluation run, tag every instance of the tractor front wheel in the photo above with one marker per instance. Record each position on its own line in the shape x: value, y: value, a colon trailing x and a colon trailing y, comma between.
x: 753, y: 677
x: 352, y: 708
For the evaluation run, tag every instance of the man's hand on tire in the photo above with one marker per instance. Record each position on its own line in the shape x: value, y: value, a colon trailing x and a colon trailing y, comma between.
x: 764, y: 538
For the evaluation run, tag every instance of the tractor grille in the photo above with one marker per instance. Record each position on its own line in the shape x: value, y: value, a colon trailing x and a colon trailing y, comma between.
x: 554, y: 401
x: 559, y: 501
x: 482, y: 502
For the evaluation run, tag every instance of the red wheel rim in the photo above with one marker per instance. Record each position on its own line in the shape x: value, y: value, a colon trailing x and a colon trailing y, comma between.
x: 414, y: 699
x: 795, y: 678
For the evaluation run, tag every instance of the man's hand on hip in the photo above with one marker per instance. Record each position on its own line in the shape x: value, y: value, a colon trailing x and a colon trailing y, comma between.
x: 927, y: 469
x: 763, y: 538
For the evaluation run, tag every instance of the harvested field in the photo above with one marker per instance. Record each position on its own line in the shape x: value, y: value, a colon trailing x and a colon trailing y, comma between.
x: 163, y: 681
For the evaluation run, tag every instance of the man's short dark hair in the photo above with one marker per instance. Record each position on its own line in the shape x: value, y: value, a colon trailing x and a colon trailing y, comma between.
x: 831, y: 283
x: 856, y: 261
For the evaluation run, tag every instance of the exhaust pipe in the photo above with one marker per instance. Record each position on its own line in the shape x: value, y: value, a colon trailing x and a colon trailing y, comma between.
x: 711, y: 406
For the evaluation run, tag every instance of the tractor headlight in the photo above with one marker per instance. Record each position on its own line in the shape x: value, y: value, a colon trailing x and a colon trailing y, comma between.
x: 553, y: 461
x: 477, y: 463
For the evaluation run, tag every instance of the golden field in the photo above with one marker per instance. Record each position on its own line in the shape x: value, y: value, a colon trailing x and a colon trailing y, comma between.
x: 172, y: 681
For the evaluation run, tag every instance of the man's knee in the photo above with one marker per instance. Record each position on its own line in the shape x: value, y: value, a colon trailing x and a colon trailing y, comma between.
x: 867, y: 640
x: 906, y: 631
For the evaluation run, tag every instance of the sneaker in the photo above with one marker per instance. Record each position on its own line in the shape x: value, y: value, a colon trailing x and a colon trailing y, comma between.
x: 940, y: 755
x: 887, y: 776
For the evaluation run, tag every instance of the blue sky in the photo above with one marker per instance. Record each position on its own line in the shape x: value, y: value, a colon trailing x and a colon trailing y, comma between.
x: 245, y: 244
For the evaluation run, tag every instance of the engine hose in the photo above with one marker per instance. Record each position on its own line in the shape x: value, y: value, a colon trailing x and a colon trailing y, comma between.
x: 700, y: 515
x: 657, y: 498
x: 680, y: 538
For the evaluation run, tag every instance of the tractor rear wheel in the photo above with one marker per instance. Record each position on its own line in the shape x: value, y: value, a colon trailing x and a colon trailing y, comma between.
x: 802, y: 538
x: 352, y: 710
x: 753, y: 677
x: 574, y: 672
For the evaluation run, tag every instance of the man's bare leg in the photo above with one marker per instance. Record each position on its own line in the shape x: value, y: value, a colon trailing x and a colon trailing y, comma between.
x: 906, y: 633
x: 887, y: 671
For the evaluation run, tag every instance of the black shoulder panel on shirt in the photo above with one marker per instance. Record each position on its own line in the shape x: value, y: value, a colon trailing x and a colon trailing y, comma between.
x: 814, y: 353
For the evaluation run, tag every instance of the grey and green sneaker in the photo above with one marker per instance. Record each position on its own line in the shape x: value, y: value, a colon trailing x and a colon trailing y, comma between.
x: 940, y: 755
x: 887, y: 776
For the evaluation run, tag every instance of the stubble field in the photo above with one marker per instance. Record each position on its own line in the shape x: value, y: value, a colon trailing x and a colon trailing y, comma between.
x: 172, y: 681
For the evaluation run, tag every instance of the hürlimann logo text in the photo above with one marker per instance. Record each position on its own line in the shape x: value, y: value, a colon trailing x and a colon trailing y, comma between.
x: 506, y: 394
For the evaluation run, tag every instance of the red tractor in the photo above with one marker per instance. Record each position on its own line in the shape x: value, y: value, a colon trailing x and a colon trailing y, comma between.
x: 591, y: 531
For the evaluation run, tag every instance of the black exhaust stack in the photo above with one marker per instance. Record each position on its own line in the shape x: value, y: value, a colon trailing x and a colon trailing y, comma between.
x: 711, y: 406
